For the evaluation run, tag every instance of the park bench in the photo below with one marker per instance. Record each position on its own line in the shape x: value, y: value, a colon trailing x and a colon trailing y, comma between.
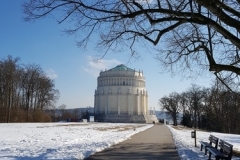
x: 225, y: 151
x: 212, y: 140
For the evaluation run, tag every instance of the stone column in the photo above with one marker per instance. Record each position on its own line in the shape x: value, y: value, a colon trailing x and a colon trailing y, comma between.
x: 131, y: 100
x: 99, y: 104
x: 95, y: 104
x: 127, y: 103
x: 139, y: 104
x: 136, y: 104
x: 144, y: 104
x: 105, y: 109
x: 118, y: 104
x: 106, y: 103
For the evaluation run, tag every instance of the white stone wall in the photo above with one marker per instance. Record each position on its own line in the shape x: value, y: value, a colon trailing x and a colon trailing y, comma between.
x: 121, y: 92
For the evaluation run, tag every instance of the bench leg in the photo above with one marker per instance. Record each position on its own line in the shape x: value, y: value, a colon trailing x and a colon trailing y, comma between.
x: 201, y: 147
x: 205, y: 151
x: 210, y: 154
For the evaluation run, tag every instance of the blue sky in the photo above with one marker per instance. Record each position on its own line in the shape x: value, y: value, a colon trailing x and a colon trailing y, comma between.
x: 73, y: 69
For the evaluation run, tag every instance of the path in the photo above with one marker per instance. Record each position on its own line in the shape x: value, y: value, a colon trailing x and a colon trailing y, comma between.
x: 153, y: 143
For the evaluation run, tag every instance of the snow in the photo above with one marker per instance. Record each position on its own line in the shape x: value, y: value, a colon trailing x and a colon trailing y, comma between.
x: 27, y: 141
x: 186, y: 146
x: 67, y: 141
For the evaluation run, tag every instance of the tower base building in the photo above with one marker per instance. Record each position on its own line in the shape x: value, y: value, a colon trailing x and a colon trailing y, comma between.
x: 121, y: 97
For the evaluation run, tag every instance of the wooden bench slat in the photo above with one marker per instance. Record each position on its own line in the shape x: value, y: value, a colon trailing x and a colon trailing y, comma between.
x: 212, y: 139
x: 215, y: 151
x: 225, y: 151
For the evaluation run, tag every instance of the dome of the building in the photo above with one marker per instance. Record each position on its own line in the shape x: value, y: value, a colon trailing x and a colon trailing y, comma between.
x: 121, y: 67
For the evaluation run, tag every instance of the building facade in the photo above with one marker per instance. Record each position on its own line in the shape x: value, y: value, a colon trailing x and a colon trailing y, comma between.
x: 121, y: 95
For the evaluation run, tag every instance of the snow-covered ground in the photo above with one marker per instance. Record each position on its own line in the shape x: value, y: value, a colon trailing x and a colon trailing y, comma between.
x: 186, y: 145
x: 25, y: 141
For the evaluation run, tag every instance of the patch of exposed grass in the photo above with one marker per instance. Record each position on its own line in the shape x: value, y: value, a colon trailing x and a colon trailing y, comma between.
x: 129, y: 128
x: 181, y: 128
x: 236, y: 153
x: 78, y: 124
x: 119, y: 128
x: 187, y: 128
x: 64, y: 125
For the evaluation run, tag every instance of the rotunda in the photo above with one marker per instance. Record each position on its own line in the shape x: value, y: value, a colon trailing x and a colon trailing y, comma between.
x: 121, y: 96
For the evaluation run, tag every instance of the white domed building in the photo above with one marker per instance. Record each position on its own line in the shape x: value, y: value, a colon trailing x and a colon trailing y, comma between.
x: 121, y: 97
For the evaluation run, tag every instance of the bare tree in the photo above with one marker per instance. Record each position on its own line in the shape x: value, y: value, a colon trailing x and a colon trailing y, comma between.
x: 185, y: 33
x: 31, y: 76
x: 187, y: 110
x: 195, y: 96
x: 46, y: 94
x: 23, y: 91
x: 8, y: 85
x: 223, y: 109
x: 215, y: 109
x: 172, y: 105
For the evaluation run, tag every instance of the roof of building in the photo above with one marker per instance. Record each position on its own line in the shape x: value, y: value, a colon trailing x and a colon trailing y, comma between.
x: 121, y: 67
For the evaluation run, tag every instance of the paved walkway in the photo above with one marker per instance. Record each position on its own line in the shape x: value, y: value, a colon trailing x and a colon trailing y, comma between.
x: 153, y: 143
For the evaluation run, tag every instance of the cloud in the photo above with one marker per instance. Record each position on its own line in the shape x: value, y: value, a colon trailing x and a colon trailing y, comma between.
x: 51, y: 74
x: 94, y: 66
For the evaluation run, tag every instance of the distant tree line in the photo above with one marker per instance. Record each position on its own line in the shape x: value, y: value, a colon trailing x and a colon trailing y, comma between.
x: 72, y: 115
x: 214, y: 109
x: 25, y: 92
